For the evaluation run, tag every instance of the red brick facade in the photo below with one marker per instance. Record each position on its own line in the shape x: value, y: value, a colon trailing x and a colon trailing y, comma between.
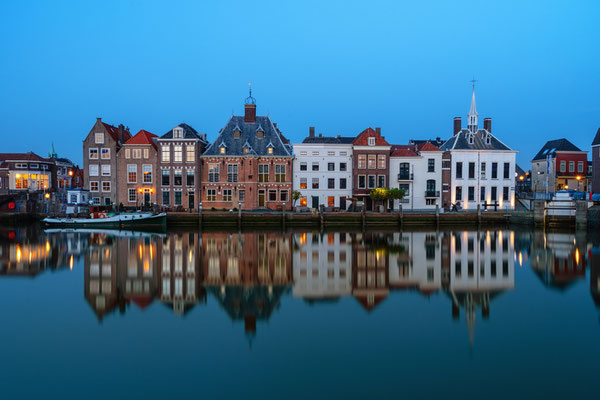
x: 371, y: 164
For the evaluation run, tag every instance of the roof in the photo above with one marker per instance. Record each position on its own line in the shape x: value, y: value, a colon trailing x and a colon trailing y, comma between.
x: 596, y: 138
x: 403, y: 150
x: 436, y: 142
x: 460, y: 141
x: 114, y: 132
x: 329, y: 139
x: 519, y: 170
x: 30, y: 156
x: 271, y: 137
x: 188, y: 133
x: 552, y: 146
x: 363, y: 138
x: 143, y: 137
x: 427, y: 147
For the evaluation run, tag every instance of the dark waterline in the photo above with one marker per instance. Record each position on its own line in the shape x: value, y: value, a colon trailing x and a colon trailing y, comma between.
x: 469, y: 314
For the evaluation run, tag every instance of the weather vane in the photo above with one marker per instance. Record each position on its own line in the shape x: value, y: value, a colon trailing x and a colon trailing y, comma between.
x: 473, y: 82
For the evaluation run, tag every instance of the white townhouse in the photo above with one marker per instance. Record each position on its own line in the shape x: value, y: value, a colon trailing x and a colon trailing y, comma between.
x: 322, y: 170
x: 483, y: 168
x: 418, y: 170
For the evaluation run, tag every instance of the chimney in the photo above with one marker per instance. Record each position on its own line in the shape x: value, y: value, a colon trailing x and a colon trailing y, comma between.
x: 378, y: 130
x: 249, y: 112
x: 121, y: 127
x: 275, y: 125
x: 457, y: 125
x: 99, y: 119
x: 487, y: 124
x: 311, y: 131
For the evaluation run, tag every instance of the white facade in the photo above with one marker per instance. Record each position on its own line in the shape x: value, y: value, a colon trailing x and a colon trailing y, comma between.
x: 421, y: 178
x: 322, y: 172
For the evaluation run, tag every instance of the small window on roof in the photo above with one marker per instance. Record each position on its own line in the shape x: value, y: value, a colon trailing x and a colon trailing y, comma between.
x: 177, y: 133
x: 222, y: 149
x: 488, y: 139
x: 259, y: 134
x: 470, y: 137
x: 236, y: 134
x: 246, y: 150
x: 270, y: 150
x: 371, y: 141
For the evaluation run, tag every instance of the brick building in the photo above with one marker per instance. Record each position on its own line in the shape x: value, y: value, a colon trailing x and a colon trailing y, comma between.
x: 137, y: 163
x: 559, y: 165
x: 100, y: 148
x: 249, y: 165
x: 179, y: 167
x: 370, y: 164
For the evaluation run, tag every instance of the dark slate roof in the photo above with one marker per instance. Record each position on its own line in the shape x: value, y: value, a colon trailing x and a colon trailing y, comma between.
x: 596, y: 138
x: 328, y: 139
x: 437, y: 141
x: 272, y: 137
x: 188, y: 133
x: 519, y: 170
x: 460, y: 141
x: 552, y: 146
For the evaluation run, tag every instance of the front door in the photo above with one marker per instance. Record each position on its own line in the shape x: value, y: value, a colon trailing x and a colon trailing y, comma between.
x: 315, y: 201
x: 146, y: 199
x: 261, y: 198
x: 190, y: 200
x: 342, y: 203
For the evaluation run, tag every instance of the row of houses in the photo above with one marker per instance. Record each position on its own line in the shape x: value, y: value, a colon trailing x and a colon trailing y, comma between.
x: 252, y: 165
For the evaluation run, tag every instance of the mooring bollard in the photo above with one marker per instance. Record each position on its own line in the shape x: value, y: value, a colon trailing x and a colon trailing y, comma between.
x: 437, y: 215
x: 199, y: 214
x: 478, y: 214
x: 581, y: 214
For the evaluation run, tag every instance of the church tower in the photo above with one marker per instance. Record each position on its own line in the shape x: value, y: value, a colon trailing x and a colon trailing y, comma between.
x: 472, y: 118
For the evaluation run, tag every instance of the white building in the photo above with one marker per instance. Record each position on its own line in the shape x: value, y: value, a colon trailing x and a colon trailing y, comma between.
x: 322, y: 170
x: 483, y: 168
x: 418, y: 170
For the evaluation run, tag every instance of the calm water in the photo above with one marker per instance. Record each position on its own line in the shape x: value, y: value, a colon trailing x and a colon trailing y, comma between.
x: 486, y: 314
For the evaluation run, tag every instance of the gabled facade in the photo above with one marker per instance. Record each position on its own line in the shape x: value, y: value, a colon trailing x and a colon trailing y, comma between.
x: 179, y: 171
x: 64, y: 170
x: 249, y: 165
x: 559, y: 165
x: 137, y: 163
x: 323, y: 171
x: 596, y: 162
x: 370, y: 152
x: 483, y: 168
x: 100, y: 148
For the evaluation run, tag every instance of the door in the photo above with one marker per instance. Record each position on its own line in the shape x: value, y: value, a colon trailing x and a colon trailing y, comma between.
x: 261, y: 198
x: 190, y: 200
x: 342, y: 203
x: 315, y: 202
x: 146, y: 199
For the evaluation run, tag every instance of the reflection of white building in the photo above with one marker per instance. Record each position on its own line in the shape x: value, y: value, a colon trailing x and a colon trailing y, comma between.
x: 322, y: 265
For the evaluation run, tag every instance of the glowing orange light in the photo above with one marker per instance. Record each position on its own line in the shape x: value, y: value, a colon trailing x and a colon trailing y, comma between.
x: 71, y: 262
x: 521, y: 177
x: 47, y: 195
x: 578, y: 177
x: 70, y: 173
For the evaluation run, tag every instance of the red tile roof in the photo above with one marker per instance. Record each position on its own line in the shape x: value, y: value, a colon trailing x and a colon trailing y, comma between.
x: 400, y: 150
x: 31, y: 156
x: 363, y: 138
x: 143, y: 137
x: 427, y: 146
x: 114, y: 132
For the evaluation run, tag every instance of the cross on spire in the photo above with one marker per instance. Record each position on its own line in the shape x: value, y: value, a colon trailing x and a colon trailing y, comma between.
x: 473, y: 81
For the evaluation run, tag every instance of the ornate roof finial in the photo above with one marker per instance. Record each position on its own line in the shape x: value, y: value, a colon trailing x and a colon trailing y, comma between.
x: 250, y: 99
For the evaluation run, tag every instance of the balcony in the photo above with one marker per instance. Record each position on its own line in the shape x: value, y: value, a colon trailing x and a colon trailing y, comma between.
x: 432, y: 193
x: 405, y: 176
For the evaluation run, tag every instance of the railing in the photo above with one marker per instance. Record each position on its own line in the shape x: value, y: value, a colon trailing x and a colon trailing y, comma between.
x: 405, y: 176
x: 432, y: 193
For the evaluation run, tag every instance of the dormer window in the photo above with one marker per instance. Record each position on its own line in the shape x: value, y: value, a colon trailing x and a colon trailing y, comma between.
x: 236, y: 134
x: 260, y: 132
x: 178, y: 133
x: 470, y: 138
x: 488, y: 139
x: 246, y: 150
x: 222, y: 149
x: 270, y: 150
x: 371, y: 141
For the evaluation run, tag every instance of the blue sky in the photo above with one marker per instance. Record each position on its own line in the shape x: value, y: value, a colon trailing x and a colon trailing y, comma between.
x: 338, y: 65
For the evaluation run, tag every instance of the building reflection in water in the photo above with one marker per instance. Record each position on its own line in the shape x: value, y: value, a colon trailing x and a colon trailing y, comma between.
x: 558, y: 259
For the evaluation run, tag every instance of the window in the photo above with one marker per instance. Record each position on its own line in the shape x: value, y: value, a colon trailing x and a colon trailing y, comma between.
x: 571, y: 166
x: 471, y: 170
x: 93, y: 154
x: 177, y: 133
x: 494, y: 193
x: 405, y: 187
x: 242, y: 195
x: 190, y: 153
x: 283, y: 195
x: 105, y: 169
x: 166, y: 177
x: 213, y: 172
x: 506, y: 170
x: 458, y: 196
x: 270, y: 150
x: 280, y: 173
x: 343, y: 153
x: 303, y: 183
x: 482, y: 197
x: 177, y: 178
x: 330, y: 166
x: 315, y: 153
x: 232, y: 172
x: 93, y: 186
x: 137, y: 153
x: 106, y: 186
x: 189, y: 178
x: 430, y: 165
x: 494, y: 170
x: 342, y: 183
x: 362, y: 182
x: 315, y: 166
x: 99, y: 137
x: 381, y: 161
x: 331, y: 153
x: 445, y: 187
x: 227, y: 195
x: 105, y: 154
x: 371, y: 161
x: 147, y: 173
x: 579, y: 166
x: 211, y: 195
x: 177, y: 198
x: 446, y: 164
x: 563, y: 166
x: 127, y: 153
x: 222, y: 150
x: 362, y: 161
x: 315, y: 183
x: 177, y: 153
x: 131, y: 173
x: 96, y: 200
x: 471, y: 193
x: 93, y: 169
x: 483, y: 170
x: 371, y: 181
x: 272, y: 195
x: 381, y: 181
x: 146, y: 153
x: 343, y: 166
x: 371, y: 141
x: 459, y: 170
x: 303, y: 166
x: 331, y: 183
x: 131, y: 195
x: 236, y: 134
x: 165, y: 154
x: 263, y: 173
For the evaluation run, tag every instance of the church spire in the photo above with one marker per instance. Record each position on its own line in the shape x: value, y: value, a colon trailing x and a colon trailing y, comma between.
x: 52, y: 153
x: 472, y: 120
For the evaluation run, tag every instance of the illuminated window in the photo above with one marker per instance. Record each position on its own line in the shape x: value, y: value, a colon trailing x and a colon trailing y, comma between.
x: 131, y: 173
x: 371, y: 161
x: 303, y: 201
x: 222, y: 149
x: 147, y: 173
x: 190, y: 153
x: 177, y: 133
x: 165, y: 154
x: 263, y: 173
x: 105, y: 186
x: 371, y: 141
x: 303, y: 184
x: 146, y: 153
x: 93, y: 153
x: 105, y: 154
x: 227, y: 195
x: 381, y: 161
x: 94, y: 186
x: 99, y: 137
x: 127, y: 153
x: 270, y: 150
x: 211, y: 195
x: 236, y: 134
x: 177, y: 153
x: 362, y: 161
x: 137, y: 153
